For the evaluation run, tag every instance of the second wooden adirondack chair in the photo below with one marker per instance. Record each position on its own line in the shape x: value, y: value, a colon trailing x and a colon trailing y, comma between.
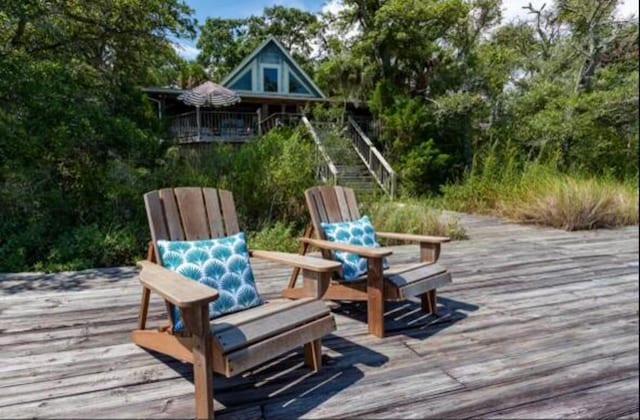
x: 338, y: 204
x: 233, y: 343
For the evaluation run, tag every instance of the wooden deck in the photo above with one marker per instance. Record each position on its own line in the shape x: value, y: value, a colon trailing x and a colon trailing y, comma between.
x: 538, y: 323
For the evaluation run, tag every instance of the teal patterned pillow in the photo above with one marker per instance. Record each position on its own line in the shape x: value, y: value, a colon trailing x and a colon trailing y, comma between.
x: 359, y: 232
x: 221, y: 263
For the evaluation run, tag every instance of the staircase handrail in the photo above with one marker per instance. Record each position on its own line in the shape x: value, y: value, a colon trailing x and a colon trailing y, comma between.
x: 323, y: 152
x: 373, y: 160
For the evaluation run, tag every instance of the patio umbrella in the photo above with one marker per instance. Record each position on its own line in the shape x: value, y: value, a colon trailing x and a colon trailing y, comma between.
x: 209, y: 94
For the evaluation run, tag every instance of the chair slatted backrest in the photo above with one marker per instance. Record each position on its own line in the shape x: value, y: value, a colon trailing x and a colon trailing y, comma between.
x: 190, y: 213
x: 330, y: 205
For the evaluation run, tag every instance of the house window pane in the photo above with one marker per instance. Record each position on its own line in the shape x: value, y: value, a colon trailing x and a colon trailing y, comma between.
x: 270, y: 80
x: 295, y: 86
x: 245, y: 82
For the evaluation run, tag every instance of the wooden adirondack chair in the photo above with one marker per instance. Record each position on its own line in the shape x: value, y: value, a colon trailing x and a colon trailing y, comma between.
x: 338, y: 204
x: 234, y: 343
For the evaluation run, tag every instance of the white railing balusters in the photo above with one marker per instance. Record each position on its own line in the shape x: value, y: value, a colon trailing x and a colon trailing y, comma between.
x: 377, y: 165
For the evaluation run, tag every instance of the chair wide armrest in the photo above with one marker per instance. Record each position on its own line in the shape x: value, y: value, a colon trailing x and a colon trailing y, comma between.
x: 362, y: 251
x: 175, y: 288
x: 306, y: 263
x: 413, y: 238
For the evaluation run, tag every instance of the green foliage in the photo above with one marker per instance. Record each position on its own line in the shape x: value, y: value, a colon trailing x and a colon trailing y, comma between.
x: 446, y: 81
x: 92, y: 246
x: 269, y: 177
x: 107, y: 223
x: 277, y: 237
x: 424, y: 168
x: 78, y: 141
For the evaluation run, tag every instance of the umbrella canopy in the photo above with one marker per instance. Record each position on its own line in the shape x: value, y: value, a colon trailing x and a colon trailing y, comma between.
x: 209, y: 94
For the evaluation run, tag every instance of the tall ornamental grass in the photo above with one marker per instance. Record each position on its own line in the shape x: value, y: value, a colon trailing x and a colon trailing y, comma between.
x: 538, y: 193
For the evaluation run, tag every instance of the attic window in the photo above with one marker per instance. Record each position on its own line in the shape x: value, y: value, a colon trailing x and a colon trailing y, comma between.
x: 295, y: 86
x: 270, y: 79
x: 245, y: 82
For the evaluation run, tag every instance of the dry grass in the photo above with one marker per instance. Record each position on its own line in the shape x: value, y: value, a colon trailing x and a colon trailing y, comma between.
x: 412, y: 216
x: 577, y: 204
x: 540, y: 194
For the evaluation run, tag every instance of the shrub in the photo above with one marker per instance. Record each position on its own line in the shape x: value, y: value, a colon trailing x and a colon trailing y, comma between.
x: 424, y: 168
x: 278, y: 237
x: 269, y: 176
x: 92, y: 246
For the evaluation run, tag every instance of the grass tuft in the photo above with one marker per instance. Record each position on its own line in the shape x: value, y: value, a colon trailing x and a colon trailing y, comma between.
x: 413, y: 216
x: 578, y: 204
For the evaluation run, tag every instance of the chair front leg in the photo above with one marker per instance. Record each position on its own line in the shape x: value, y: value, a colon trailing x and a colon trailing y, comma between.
x: 428, y: 302
x: 197, y: 320
x: 375, y: 294
x: 316, y: 284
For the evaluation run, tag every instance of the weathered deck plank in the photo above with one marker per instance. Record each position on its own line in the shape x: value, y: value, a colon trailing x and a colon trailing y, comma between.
x: 539, y: 323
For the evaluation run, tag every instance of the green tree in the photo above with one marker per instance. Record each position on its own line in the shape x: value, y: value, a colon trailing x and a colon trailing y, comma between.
x: 225, y: 42
x: 78, y: 141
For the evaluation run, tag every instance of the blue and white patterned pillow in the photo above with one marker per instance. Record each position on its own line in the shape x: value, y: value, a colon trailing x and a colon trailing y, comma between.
x: 359, y: 232
x: 221, y: 263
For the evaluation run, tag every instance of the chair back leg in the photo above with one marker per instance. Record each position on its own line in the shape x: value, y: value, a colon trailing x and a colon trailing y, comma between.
x: 144, y: 308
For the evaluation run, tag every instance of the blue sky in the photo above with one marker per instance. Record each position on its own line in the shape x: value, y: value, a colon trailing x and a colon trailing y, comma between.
x: 244, y: 8
x: 512, y: 9
x: 231, y: 9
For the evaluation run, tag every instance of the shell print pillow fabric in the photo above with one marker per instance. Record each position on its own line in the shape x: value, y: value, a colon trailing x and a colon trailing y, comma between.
x: 359, y: 232
x: 222, y: 264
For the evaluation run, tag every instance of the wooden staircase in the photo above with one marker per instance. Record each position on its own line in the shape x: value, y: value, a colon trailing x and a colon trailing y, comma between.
x: 352, y: 172
x: 350, y: 159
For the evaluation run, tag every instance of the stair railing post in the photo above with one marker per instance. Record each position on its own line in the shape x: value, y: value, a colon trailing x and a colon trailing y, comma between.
x: 259, y: 112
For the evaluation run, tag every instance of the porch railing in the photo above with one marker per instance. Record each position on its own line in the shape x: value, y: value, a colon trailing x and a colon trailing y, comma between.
x: 214, y: 125
x: 377, y: 165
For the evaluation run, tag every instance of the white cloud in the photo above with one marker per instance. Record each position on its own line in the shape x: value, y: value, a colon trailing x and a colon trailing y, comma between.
x: 333, y: 7
x: 627, y: 8
x: 186, y: 51
x: 513, y: 9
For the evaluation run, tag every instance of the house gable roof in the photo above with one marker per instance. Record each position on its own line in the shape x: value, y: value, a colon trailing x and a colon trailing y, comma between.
x: 298, y: 73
